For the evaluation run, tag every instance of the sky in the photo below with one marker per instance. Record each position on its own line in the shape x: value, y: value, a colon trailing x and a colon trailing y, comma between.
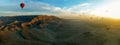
x: 60, y: 7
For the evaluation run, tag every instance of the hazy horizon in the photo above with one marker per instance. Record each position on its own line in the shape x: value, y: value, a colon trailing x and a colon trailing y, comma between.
x: 106, y: 8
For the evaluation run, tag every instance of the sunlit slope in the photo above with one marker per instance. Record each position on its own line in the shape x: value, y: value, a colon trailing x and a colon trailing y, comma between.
x: 30, y: 30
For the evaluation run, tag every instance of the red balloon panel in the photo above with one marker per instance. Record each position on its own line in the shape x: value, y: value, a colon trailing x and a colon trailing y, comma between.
x: 22, y: 5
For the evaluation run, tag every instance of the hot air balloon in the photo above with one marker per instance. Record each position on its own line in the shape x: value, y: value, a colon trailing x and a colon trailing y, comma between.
x: 22, y: 5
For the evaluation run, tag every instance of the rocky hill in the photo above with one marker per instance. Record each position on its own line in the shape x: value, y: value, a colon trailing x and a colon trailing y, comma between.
x: 27, y: 29
x: 52, y: 30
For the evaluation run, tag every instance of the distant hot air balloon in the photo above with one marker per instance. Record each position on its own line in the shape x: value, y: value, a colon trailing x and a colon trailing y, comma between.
x: 22, y: 5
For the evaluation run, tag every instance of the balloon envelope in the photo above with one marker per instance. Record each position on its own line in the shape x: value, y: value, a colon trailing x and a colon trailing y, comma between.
x: 22, y: 5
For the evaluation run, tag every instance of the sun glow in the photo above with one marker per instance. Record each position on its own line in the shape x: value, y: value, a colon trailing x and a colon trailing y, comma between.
x: 109, y: 9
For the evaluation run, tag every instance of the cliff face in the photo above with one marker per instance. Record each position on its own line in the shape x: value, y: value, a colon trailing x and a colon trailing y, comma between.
x: 25, y: 22
x: 27, y: 28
